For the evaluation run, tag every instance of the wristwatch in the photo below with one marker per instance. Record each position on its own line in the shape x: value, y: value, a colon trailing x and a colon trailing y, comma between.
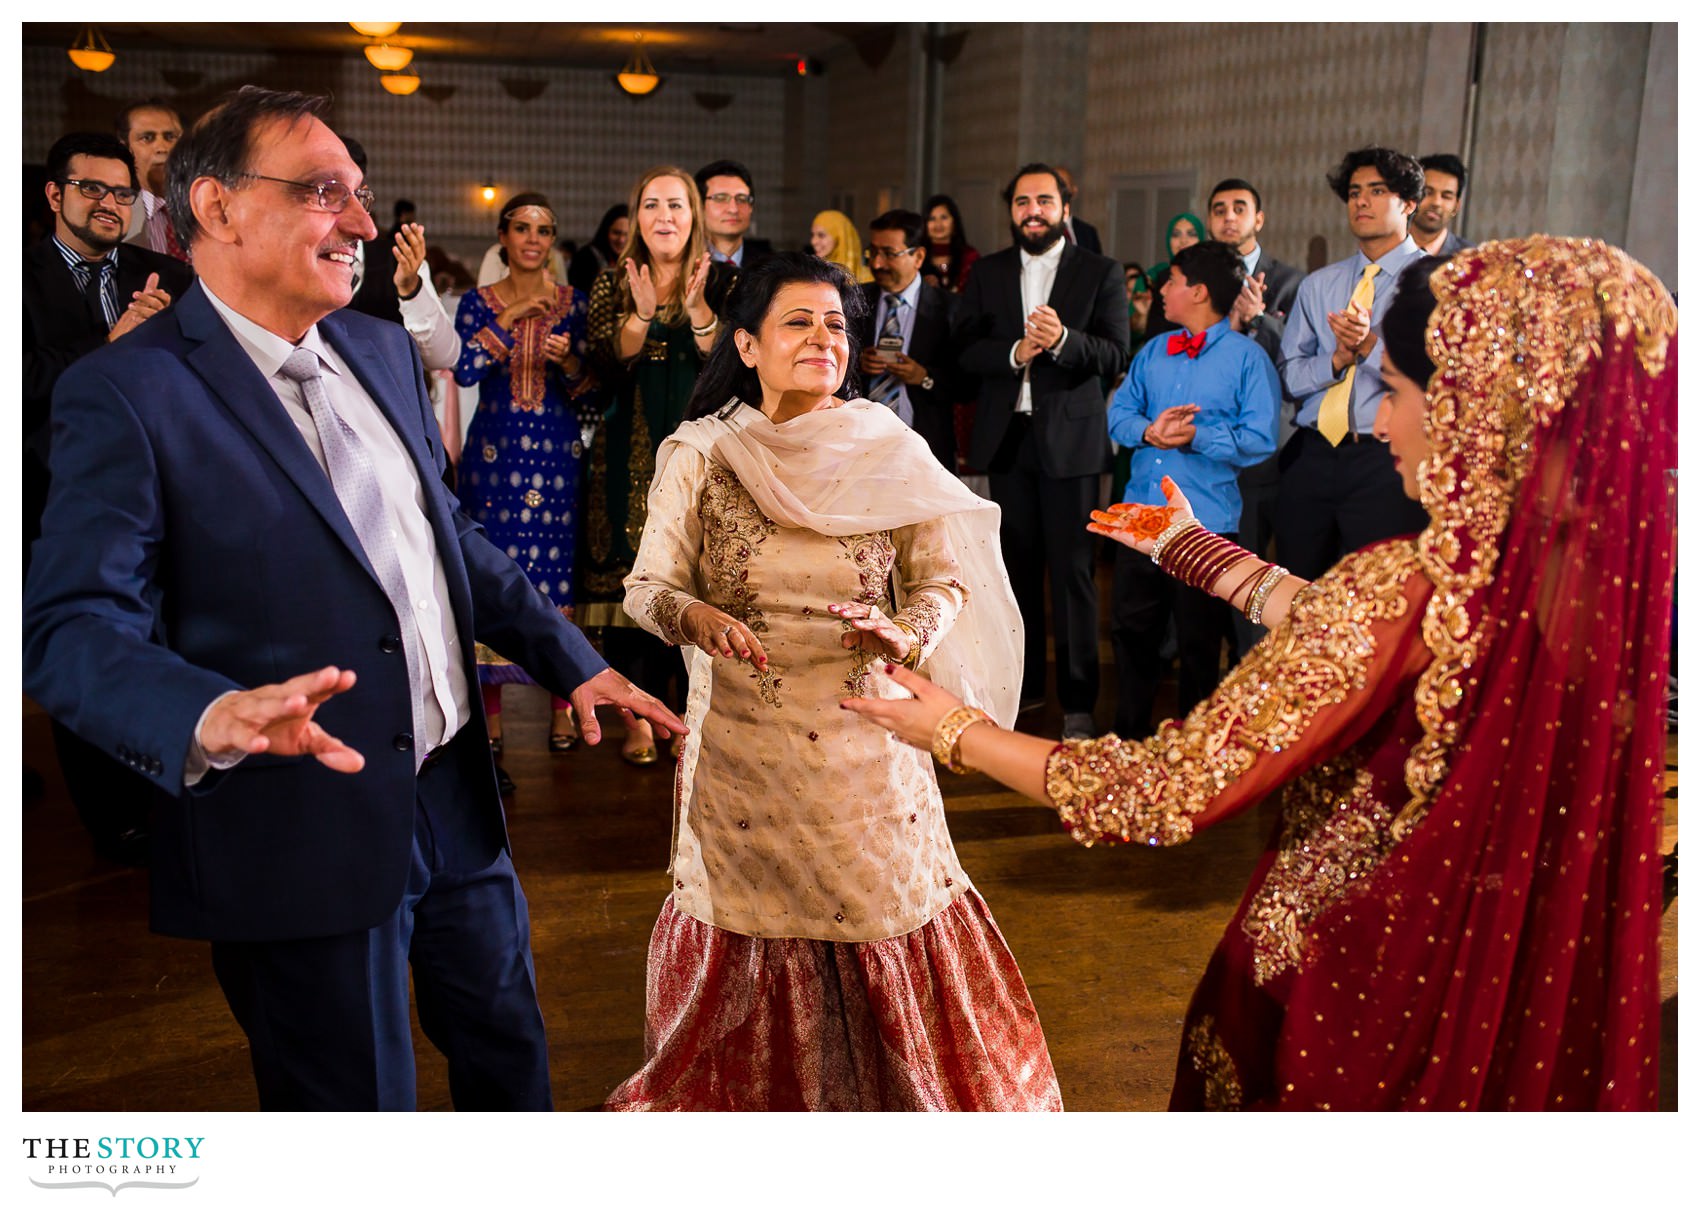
x: 926, y: 385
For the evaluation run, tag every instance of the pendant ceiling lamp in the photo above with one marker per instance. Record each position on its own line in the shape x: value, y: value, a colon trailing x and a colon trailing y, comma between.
x: 376, y: 29
x: 387, y: 58
x: 90, y: 51
x: 402, y: 84
x: 639, y: 77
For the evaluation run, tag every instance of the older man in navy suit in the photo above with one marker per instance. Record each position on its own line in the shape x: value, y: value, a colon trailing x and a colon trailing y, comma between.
x: 253, y: 588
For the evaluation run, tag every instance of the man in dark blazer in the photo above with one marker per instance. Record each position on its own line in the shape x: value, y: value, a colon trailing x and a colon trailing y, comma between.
x: 1043, y: 327
x: 253, y: 588
x: 82, y: 288
x: 920, y: 381
x: 1234, y: 216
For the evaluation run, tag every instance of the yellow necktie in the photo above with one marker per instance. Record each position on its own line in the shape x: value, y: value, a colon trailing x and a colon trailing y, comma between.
x: 1334, y: 415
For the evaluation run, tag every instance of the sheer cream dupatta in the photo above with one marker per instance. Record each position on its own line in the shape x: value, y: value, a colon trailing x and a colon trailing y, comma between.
x: 854, y: 469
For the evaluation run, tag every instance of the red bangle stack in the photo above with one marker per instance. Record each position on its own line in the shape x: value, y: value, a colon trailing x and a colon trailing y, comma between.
x: 1199, y: 558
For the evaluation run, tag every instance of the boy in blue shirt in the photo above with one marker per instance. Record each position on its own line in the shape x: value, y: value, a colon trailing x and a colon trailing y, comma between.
x: 1197, y: 405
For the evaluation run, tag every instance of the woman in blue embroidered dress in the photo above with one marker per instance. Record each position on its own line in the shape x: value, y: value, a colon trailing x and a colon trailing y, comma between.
x: 522, y: 343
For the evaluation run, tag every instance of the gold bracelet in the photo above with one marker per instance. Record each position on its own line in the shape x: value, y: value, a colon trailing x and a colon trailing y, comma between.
x: 913, y: 660
x: 1260, y: 596
x: 947, y: 738
x: 706, y: 329
x: 1177, y: 527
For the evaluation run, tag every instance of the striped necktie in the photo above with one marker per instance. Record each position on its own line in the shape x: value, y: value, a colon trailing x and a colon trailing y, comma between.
x: 885, y: 385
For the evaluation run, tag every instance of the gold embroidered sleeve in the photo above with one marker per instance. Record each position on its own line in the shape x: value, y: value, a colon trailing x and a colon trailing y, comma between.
x: 492, y: 344
x: 602, y: 329
x: 1309, y: 689
x: 933, y: 590
x: 663, y: 580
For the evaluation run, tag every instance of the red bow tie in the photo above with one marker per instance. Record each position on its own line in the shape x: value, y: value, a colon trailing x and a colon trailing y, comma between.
x: 1180, y: 341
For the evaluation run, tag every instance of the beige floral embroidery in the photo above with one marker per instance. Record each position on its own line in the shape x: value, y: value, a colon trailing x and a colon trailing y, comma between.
x: 873, y: 554
x: 923, y: 612
x: 1333, y: 834
x: 1111, y: 790
x: 1210, y: 1057
x: 733, y: 527
x: 665, y: 609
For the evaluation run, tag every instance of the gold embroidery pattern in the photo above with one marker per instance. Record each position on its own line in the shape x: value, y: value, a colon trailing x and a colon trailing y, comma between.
x: 923, y: 613
x: 1111, y: 790
x: 873, y: 554
x: 1333, y: 834
x: 1518, y: 323
x: 665, y: 609
x: 733, y: 527
x: 1210, y: 1057
x: 527, y: 361
x: 640, y: 466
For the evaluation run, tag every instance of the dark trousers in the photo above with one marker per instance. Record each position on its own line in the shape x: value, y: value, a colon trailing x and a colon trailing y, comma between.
x: 327, y: 1019
x: 1143, y: 599
x: 1259, y: 486
x: 649, y: 661
x: 1337, y: 499
x: 1044, y: 531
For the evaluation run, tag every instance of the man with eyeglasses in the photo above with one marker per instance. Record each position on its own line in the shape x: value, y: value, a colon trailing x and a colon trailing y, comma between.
x: 83, y: 288
x: 253, y: 588
x: 729, y: 206
x: 906, y: 359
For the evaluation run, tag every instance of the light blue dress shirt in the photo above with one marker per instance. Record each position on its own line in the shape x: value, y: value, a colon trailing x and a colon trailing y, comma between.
x: 1307, y: 347
x: 1236, y: 389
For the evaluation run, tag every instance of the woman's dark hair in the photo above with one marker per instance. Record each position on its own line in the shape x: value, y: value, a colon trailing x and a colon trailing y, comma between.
x: 1406, y: 322
x: 519, y: 202
x: 958, y: 238
x: 724, y: 376
x: 221, y: 143
x: 618, y: 211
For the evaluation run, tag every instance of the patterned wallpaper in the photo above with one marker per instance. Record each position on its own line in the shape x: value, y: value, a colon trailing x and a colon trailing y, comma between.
x: 874, y: 130
x: 1515, y: 123
x: 580, y: 141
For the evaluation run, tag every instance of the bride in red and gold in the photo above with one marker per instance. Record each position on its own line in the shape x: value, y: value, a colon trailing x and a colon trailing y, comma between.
x: 1460, y: 906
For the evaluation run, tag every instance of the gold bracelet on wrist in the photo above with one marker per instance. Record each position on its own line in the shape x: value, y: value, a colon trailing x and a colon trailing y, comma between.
x: 706, y: 329
x: 913, y: 658
x: 1260, y: 596
x: 1170, y: 532
x: 947, y: 738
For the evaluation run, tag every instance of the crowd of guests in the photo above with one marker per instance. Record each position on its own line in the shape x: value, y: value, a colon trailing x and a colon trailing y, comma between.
x: 699, y: 449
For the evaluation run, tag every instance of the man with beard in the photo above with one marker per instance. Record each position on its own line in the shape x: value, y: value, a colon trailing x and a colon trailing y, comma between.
x: 1339, y: 489
x: 1443, y: 197
x: 150, y: 129
x: 1043, y: 328
x: 83, y: 287
x: 906, y: 359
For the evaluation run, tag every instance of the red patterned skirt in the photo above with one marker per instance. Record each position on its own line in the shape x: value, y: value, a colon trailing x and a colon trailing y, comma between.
x: 935, y: 1020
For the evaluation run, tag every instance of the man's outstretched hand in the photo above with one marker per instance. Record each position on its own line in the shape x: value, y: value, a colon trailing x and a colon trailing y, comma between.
x: 278, y: 719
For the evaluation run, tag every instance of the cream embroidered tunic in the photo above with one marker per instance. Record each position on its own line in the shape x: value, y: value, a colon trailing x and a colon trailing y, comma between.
x: 794, y: 818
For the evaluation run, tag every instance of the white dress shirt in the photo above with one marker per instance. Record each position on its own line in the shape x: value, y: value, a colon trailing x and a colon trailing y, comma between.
x: 447, y: 702
x: 430, y: 325
x: 1038, y: 275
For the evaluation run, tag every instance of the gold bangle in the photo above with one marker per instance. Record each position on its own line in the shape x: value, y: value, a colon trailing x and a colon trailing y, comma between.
x: 1175, y: 528
x: 706, y: 329
x: 947, y: 738
x: 913, y: 660
x: 1260, y: 596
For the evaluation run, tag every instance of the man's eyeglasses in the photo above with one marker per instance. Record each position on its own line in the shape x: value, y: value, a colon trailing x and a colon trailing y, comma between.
x: 332, y: 195
x: 94, y: 191
x: 889, y: 254
x: 740, y: 199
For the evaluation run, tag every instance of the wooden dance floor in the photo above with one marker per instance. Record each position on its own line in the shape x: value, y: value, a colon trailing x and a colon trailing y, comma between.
x: 1111, y: 940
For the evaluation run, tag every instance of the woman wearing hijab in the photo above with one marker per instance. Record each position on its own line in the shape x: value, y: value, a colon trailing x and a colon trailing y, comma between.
x: 1460, y: 908
x: 1185, y: 230
x: 832, y: 237
x: 821, y: 947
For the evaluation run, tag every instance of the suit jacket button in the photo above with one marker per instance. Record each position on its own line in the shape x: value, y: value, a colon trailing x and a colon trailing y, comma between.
x: 403, y: 741
x: 389, y: 644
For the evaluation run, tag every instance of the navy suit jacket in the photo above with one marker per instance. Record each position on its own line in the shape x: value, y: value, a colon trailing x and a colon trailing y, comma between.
x: 193, y: 545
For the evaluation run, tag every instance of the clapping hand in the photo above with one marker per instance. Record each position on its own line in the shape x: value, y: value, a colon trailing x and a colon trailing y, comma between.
x: 1248, y: 304
x: 409, y: 256
x: 643, y: 290
x: 146, y: 303
x: 1173, y: 428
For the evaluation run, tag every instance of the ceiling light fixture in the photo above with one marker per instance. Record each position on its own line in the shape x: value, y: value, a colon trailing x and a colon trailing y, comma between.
x: 402, y: 84
x: 376, y: 29
x: 639, y: 77
x: 90, y: 51
x: 387, y: 58
x: 487, y: 191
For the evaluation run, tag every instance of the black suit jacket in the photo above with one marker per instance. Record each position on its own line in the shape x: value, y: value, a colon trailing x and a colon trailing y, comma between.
x: 377, y: 294
x: 1086, y: 236
x: 930, y: 345
x: 1069, y: 419
x: 59, y: 329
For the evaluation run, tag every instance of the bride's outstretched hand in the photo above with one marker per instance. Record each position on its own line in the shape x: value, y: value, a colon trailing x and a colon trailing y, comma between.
x: 1137, y: 526
x: 913, y: 720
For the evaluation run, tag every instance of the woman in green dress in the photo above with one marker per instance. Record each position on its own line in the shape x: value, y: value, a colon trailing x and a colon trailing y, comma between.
x: 652, y: 322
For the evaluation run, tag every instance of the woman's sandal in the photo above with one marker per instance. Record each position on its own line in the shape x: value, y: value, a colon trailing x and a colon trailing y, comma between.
x: 567, y: 739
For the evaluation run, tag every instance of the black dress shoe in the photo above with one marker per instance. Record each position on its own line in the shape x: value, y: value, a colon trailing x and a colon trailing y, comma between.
x: 131, y: 848
x: 504, y: 782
